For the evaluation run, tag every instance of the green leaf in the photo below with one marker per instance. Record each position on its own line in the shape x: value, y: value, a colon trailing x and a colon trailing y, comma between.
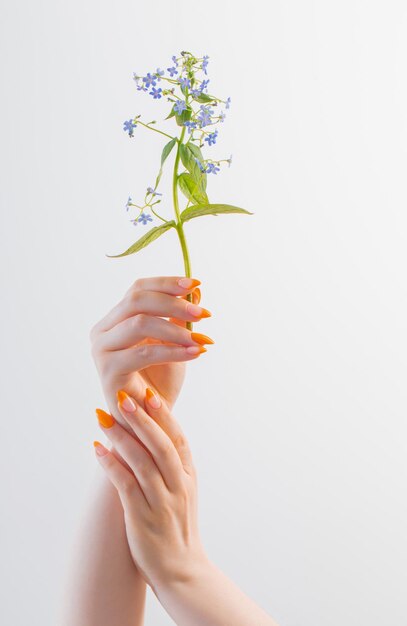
x: 145, y: 240
x: 210, y: 209
x: 172, y: 113
x: 189, y: 152
x: 185, y: 116
x: 192, y: 189
x: 204, y: 97
x: 167, y: 149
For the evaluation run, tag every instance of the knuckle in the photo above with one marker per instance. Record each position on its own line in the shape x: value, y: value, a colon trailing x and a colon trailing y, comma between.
x: 140, y: 322
x: 144, y: 351
x: 138, y: 284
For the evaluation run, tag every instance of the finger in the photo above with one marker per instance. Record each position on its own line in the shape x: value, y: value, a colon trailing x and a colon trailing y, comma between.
x: 136, y: 456
x: 173, y: 285
x: 196, y: 298
x: 144, y: 355
x: 160, y: 413
x: 120, y: 477
x: 129, y: 304
x: 140, y: 327
x: 154, y: 438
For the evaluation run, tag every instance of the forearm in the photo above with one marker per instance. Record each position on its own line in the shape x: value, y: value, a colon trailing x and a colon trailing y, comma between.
x: 105, y: 586
x: 208, y: 597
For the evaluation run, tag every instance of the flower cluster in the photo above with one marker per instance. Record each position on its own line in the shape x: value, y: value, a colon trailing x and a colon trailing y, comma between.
x: 184, y: 84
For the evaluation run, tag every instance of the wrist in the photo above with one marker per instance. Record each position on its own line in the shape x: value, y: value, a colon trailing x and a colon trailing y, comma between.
x: 178, y: 579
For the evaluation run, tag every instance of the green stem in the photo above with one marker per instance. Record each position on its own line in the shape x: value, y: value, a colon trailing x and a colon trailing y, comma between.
x: 179, y: 227
x: 156, y: 130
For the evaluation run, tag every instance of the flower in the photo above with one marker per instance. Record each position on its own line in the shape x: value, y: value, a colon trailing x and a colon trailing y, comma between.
x: 159, y: 73
x: 203, y: 85
x: 127, y: 205
x: 174, y: 60
x: 204, y: 115
x: 205, y: 63
x: 190, y: 125
x: 142, y: 88
x: 128, y: 126
x: 228, y: 101
x: 156, y: 93
x: 212, y: 169
x: 184, y: 82
x: 222, y: 116
x: 144, y: 218
x: 150, y: 80
x: 172, y: 71
x: 154, y: 193
x: 180, y: 106
x: 211, y: 138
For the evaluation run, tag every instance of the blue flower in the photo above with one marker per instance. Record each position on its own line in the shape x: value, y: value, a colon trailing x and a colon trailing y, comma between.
x: 211, y: 138
x: 228, y: 101
x: 127, y: 205
x: 159, y: 73
x: 203, y: 85
x: 190, y: 126
x: 144, y: 218
x: 222, y: 116
x: 195, y: 92
x: 172, y: 71
x: 184, y: 82
x: 180, y: 106
x: 128, y: 126
x: 150, y: 80
x: 174, y: 60
x: 156, y: 93
x: 212, y: 169
x: 154, y: 193
x: 205, y: 63
x: 142, y: 88
x: 204, y: 115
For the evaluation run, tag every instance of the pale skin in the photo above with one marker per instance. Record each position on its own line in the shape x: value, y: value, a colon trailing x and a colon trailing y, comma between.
x: 142, y: 528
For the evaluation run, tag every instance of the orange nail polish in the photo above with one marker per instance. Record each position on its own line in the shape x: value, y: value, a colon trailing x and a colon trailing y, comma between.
x: 125, y: 401
x: 196, y: 350
x: 100, y: 450
x: 196, y: 294
x: 105, y: 419
x: 152, y: 398
x: 206, y: 313
x: 188, y: 283
x: 199, y: 338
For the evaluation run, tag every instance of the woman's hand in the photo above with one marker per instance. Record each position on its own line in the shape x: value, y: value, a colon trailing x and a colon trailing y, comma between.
x: 134, y: 347
x: 156, y: 482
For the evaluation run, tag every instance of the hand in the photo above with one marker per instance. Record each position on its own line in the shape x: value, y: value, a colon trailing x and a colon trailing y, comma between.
x: 133, y: 347
x: 156, y: 481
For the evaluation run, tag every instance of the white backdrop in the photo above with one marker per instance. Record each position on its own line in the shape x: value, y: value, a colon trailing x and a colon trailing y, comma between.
x: 297, y: 416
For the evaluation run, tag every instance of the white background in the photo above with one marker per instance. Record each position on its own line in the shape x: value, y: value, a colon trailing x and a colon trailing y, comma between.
x: 297, y: 416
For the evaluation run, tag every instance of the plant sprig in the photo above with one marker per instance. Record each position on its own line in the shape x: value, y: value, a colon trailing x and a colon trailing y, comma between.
x: 194, y: 111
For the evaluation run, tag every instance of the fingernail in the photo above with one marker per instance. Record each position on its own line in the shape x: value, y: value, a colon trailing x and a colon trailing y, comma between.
x: 99, y: 449
x: 196, y: 294
x: 152, y: 398
x: 195, y: 349
x: 125, y: 401
x: 198, y: 311
x: 187, y: 283
x: 199, y: 338
x: 105, y: 419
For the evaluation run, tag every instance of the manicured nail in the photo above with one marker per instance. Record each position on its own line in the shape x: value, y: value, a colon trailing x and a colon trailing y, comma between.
x: 195, y: 349
x: 99, y: 449
x: 152, y: 398
x: 187, y: 283
x: 199, y: 338
x: 198, y: 311
x: 125, y: 401
x: 196, y: 294
x: 105, y: 419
